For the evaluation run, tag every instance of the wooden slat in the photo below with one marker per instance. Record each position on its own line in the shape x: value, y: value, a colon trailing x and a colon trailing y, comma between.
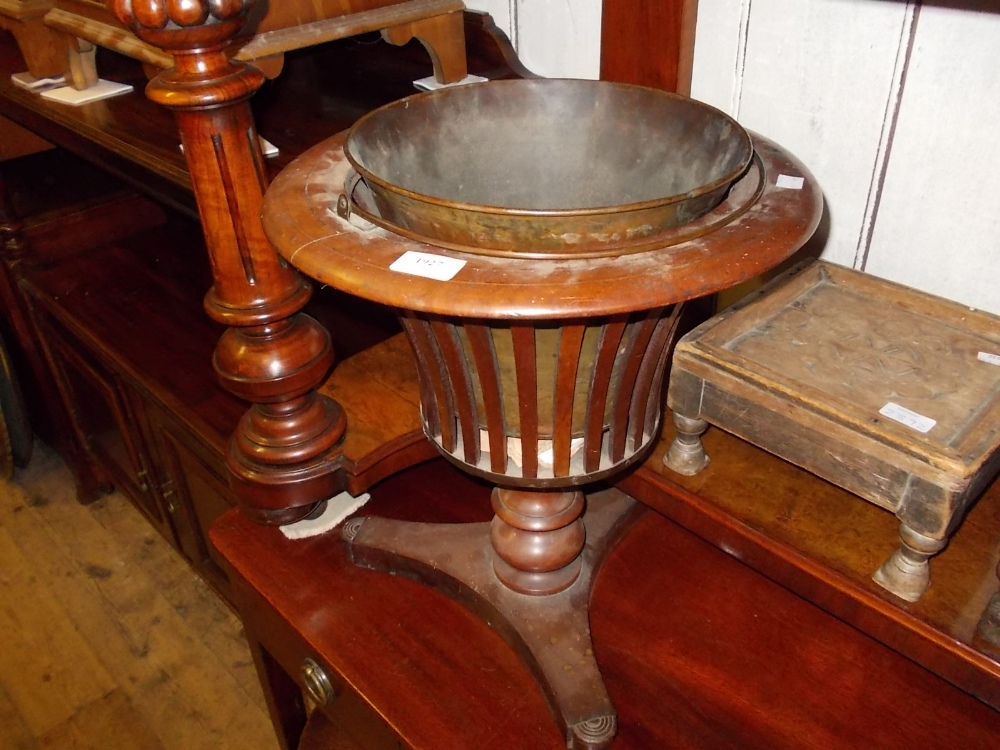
x: 484, y: 354
x: 432, y: 392
x: 636, y: 345
x: 655, y: 397
x: 527, y: 393
x: 461, y: 387
x: 607, y: 352
x: 570, y: 343
x: 649, y: 382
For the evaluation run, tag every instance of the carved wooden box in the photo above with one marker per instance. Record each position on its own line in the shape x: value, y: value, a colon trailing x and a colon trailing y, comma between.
x: 883, y: 390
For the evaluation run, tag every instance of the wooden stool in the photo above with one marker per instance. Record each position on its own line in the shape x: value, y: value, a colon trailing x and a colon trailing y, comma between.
x: 885, y: 391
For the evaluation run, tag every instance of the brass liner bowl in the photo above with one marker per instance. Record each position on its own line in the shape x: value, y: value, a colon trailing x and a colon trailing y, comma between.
x: 544, y: 167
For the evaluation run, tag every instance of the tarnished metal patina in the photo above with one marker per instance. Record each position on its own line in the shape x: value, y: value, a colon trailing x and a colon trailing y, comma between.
x: 546, y: 167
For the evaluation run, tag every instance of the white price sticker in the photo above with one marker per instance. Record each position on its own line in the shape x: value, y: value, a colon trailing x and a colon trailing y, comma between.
x: 789, y: 182
x: 429, y: 266
x: 911, y: 419
x: 993, y: 359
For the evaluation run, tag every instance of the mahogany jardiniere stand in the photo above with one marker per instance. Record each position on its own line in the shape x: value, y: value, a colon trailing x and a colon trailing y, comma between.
x: 542, y: 375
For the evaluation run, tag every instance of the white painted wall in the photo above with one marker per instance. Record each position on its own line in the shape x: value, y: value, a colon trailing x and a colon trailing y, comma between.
x: 892, y: 104
x: 554, y: 38
x: 939, y: 225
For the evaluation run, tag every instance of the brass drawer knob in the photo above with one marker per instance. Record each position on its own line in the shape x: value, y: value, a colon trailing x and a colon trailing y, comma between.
x: 317, y: 683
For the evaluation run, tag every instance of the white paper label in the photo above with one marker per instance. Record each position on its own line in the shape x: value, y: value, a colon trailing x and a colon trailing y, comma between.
x: 993, y: 359
x: 427, y: 265
x: 790, y: 182
x: 901, y: 414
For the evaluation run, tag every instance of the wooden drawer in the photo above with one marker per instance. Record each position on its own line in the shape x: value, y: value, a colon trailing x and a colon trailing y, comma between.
x: 302, y: 681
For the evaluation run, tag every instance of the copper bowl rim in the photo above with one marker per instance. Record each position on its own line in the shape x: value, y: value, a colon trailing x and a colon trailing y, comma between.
x: 725, y: 180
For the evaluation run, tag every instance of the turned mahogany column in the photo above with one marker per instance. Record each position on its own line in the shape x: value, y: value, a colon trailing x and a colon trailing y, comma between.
x: 272, y: 355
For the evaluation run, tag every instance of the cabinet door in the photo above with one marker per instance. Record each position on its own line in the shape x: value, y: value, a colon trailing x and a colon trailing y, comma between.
x: 194, y: 487
x: 103, y: 416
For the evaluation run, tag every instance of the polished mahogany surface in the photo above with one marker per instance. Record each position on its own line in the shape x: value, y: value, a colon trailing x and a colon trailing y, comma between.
x: 697, y: 649
x: 300, y: 220
x: 823, y: 543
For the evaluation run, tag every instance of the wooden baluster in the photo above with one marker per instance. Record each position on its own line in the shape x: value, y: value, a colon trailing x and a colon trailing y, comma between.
x: 283, y: 453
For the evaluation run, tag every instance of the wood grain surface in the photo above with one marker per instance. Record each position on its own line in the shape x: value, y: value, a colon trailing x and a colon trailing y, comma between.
x: 696, y: 648
x: 110, y: 640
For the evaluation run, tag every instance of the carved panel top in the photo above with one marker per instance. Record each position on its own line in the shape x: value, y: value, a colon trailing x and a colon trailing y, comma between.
x: 885, y: 357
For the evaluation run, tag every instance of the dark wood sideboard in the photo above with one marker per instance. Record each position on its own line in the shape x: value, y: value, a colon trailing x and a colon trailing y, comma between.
x: 106, y: 269
x: 782, y: 642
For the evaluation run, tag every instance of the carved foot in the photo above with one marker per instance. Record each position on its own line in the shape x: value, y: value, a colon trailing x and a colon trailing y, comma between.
x: 594, y: 734
x: 906, y: 573
x: 551, y: 633
x: 687, y: 455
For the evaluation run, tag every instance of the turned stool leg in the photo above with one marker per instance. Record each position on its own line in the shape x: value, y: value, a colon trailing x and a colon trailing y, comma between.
x: 906, y: 573
x: 687, y: 455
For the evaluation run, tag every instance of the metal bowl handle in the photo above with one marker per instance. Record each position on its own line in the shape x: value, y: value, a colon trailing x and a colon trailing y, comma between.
x: 349, y: 210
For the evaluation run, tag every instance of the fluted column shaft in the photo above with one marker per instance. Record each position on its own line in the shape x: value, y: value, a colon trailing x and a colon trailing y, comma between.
x: 272, y: 355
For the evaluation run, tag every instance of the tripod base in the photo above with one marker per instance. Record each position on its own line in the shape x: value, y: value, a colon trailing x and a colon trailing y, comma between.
x: 550, y: 633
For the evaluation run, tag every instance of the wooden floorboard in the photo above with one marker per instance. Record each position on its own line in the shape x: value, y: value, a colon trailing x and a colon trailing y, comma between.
x: 110, y: 640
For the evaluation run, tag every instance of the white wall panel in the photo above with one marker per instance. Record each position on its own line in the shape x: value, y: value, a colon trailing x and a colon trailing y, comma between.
x: 892, y: 104
x: 554, y: 38
x: 720, y: 39
x: 816, y: 76
x: 938, y: 226
x: 504, y: 13
x: 560, y: 38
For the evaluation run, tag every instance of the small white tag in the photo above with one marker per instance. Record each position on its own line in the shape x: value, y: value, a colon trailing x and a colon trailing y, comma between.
x: 29, y: 82
x: 266, y: 147
x: 427, y: 265
x: 901, y: 414
x: 431, y: 83
x: 101, y: 90
x: 790, y: 182
x: 993, y: 359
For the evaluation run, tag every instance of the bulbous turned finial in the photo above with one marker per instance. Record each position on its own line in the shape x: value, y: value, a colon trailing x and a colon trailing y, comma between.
x: 182, y: 23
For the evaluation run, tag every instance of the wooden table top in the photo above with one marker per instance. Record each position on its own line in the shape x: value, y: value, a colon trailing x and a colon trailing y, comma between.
x: 697, y: 649
x: 301, y: 221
